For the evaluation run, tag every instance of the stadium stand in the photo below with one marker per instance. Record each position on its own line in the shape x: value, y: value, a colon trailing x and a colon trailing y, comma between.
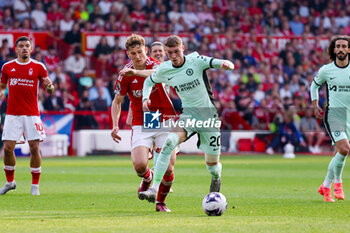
x: 276, y: 46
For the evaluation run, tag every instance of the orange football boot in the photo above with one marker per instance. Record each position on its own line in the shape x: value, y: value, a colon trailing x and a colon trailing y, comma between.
x: 326, y: 193
x: 338, y: 191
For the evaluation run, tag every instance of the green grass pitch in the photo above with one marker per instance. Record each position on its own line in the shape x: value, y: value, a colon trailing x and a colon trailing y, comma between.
x: 99, y: 194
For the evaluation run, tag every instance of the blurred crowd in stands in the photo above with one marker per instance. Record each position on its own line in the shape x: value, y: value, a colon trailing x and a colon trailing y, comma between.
x: 265, y: 82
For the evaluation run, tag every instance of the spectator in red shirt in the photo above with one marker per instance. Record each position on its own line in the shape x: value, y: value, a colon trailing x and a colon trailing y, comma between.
x: 54, y: 13
x: 51, y: 60
x: 138, y: 15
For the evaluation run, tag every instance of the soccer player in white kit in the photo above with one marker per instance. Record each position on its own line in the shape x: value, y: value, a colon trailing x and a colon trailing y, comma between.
x: 336, y: 76
x: 22, y: 77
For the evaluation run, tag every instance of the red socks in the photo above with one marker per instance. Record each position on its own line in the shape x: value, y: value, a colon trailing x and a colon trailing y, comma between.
x: 35, y: 175
x: 164, y: 187
x: 10, y: 173
x: 147, y: 176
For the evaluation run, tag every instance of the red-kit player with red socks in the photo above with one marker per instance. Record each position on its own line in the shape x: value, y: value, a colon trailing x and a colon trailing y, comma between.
x: 22, y: 77
x: 130, y: 82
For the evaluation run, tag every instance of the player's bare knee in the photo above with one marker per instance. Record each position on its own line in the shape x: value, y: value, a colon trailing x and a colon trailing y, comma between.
x: 343, y: 150
x: 211, y: 160
x: 141, y: 170
x: 9, y: 149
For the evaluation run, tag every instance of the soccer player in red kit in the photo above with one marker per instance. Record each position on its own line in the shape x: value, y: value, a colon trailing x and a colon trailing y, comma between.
x: 130, y: 82
x: 22, y: 77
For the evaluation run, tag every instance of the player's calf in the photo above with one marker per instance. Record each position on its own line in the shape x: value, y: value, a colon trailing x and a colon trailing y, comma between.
x: 145, y: 183
x: 164, y: 187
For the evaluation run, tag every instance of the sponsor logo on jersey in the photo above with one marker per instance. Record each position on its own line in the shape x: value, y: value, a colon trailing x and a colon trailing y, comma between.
x: 135, y: 81
x: 137, y: 93
x: 170, y: 78
x: 13, y: 69
x: 331, y: 78
x: 187, y: 86
x: 151, y: 120
x: 13, y: 81
x: 189, y: 71
x: 30, y: 71
x: 21, y: 82
x: 333, y: 87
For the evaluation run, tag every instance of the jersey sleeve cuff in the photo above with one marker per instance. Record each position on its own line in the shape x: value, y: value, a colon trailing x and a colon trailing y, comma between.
x: 150, y: 77
x: 211, y: 63
x: 317, y: 83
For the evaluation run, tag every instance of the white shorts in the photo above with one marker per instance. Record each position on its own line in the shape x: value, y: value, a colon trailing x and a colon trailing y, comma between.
x: 15, y: 126
x: 141, y: 138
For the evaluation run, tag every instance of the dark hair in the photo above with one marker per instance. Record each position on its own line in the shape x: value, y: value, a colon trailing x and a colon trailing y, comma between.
x: 173, y: 41
x: 331, y: 46
x: 23, y: 38
x: 77, y: 50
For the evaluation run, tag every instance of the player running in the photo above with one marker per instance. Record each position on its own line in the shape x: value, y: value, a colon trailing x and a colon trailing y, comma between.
x: 22, y: 115
x: 157, y: 52
x: 130, y: 82
x: 336, y: 75
x: 186, y: 74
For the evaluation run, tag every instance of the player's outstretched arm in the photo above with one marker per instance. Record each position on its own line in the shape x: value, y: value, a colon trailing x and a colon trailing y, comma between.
x: 48, y: 85
x: 132, y: 72
x: 227, y: 65
x: 3, y: 87
x: 116, y: 110
x: 214, y: 63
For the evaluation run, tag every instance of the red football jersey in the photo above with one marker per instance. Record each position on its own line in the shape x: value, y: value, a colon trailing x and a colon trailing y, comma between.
x: 133, y: 85
x: 22, y: 81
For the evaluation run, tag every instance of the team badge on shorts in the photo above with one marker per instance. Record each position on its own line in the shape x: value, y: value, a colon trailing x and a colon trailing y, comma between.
x: 151, y: 120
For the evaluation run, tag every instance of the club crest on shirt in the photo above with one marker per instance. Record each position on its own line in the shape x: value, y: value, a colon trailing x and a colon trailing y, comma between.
x: 31, y: 71
x: 189, y: 71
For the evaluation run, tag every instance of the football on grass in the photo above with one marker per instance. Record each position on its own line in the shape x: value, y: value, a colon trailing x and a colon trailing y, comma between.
x: 214, y: 204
